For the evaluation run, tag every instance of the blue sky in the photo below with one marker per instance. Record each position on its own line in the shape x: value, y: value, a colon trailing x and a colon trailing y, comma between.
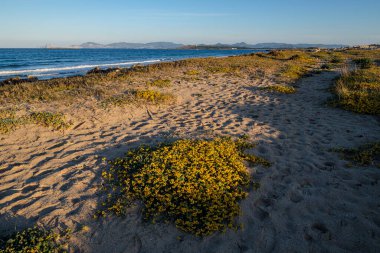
x: 32, y: 23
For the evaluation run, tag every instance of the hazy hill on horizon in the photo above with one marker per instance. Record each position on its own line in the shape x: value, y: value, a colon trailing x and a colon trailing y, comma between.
x: 171, y: 45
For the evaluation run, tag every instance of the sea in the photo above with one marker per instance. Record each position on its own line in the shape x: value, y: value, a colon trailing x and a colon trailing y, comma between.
x: 53, y: 63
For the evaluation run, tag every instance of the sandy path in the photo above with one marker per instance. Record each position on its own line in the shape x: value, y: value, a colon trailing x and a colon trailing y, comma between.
x: 308, y: 201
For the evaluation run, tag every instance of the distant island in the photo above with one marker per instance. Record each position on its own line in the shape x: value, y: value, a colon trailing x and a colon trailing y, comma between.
x: 171, y: 45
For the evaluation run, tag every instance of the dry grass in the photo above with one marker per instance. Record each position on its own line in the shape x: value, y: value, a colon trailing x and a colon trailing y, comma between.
x: 359, y: 90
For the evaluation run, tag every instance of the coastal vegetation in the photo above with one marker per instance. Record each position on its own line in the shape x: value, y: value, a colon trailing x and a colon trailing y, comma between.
x: 365, y: 155
x: 284, y: 66
x: 280, y: 89
x: 138, y: 97
x: 196, y: 184
x: 359, y: 90
x: 34, y: 239
x: 10, y: 120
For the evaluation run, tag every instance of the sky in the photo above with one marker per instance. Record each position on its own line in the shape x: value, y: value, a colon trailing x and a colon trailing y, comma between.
x: 34, y: 23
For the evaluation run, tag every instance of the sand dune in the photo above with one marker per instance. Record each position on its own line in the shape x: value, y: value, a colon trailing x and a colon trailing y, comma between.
x: 308, y: 200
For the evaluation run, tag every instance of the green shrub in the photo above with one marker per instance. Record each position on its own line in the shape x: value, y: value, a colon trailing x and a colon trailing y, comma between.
x: 192, y: 72
x: 364, y: 63
x: 197, y: 184
x: 161, y: 83
x: 326, y: 66
x: 10, y: 122
x: 138, y: 97
x: 293, y: 72
x: 117, y: 100
x: 34, y: 240
x: 365, y: 155
x: 56, y: 121
x: 337, y: 59
x: 280, y: 89
x: 359, y: 91
x: 8, y: 125
x: 152, y: 96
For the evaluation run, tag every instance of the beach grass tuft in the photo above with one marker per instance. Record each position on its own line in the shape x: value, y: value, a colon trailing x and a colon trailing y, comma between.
x: 358, y: 90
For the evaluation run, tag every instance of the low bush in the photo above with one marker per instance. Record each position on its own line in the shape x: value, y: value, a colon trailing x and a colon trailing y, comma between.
x: 152, y: 96
x: 117, y: 100
x: 9, y: 121
x: 337, y: 59
x: 34, y: 240
x: 56, y: 121
x: 325, y: 66
x: 280, y: 89
x: 364, y: 63
x: 368, y: 154
x: 192, y: 72
x: 197, y: 184
x: 293, y: 72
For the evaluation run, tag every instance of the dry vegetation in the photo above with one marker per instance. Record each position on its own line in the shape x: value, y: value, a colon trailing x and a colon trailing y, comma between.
x: 359, y: 90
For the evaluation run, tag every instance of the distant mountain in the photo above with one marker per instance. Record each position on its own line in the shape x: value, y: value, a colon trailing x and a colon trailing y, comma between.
x: 126, y: 45
x: 243, y: 45
x: 171, y: 45
x: 90, y: 45
x: 285, y: 45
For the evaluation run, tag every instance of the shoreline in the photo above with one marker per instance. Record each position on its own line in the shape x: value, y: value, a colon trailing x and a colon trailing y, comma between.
x: 49, y: 71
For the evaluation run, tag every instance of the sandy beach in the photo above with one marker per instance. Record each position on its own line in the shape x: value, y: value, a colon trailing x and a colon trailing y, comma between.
x: 309, y: 200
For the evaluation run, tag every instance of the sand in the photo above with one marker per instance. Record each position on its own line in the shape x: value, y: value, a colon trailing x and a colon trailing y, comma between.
x: 308, y: 200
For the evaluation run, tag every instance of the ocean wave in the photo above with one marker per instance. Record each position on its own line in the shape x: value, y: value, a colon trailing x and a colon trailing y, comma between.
x: 42, y: 70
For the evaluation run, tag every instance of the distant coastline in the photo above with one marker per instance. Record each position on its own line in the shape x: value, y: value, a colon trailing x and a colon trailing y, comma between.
x: 217, y: 46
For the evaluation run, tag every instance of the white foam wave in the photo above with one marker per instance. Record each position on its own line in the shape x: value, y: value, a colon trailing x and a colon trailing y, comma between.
x: 32, y: 71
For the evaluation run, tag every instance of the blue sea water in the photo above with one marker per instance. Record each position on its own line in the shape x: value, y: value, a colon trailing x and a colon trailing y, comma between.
x: 52, y: 63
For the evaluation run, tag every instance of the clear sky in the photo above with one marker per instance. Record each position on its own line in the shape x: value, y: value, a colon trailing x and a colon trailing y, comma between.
x: 33, y: 23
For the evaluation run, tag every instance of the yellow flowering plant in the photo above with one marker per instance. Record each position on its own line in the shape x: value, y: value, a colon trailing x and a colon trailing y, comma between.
x: 194, y: 183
